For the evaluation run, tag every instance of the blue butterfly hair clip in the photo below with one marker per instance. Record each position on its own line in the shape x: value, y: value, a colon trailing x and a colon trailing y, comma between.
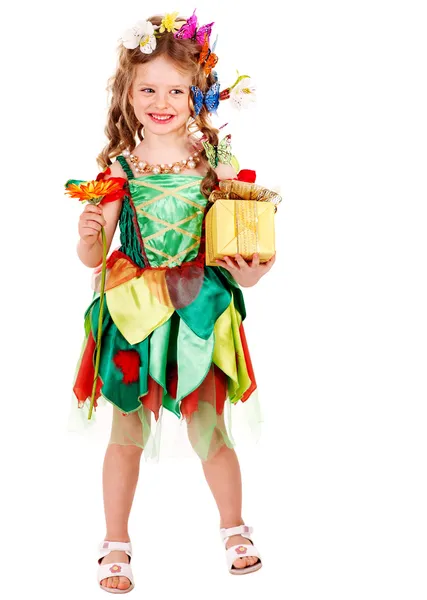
x: 210, y: 99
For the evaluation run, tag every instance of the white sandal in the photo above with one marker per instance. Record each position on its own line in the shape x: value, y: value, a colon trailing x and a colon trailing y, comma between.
x: 241, y: 550
x: 115, y: 569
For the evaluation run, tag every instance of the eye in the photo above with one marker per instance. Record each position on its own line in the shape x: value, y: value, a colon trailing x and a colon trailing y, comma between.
x: 148, y: 90
x: 177, y: 92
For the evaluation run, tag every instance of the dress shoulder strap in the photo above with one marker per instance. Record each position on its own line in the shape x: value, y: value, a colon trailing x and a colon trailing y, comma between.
x: 126, y: 168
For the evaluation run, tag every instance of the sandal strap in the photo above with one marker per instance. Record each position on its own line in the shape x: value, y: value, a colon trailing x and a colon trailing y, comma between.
x: 115, y: 570
x: 105, y: 547
x: 243, y: 530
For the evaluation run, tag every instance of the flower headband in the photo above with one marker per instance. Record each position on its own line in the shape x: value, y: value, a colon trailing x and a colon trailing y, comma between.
x: 144, y: 34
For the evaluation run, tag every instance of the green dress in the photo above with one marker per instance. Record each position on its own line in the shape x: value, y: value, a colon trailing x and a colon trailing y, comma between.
x: 172, y: 332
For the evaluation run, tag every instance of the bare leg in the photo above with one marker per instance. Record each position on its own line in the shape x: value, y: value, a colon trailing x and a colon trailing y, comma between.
x: 208, y: 435
x: 221, y: 469
x: 120, y: 477
x: 222, y: 472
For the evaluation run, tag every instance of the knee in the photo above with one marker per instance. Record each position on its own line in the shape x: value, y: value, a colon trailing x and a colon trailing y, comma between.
x: 129, y: 450
x: 127, y: 430
x: 213, y: 454
x: 207, y: 445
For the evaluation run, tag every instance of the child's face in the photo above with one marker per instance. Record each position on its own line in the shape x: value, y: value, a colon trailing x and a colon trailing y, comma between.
x: 159, y: 96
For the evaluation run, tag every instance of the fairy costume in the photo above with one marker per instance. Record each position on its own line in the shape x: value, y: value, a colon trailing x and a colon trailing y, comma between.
x: 172, y: 333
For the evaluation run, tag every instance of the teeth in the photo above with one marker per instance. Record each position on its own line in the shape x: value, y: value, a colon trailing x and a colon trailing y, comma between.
x: 161, y: 118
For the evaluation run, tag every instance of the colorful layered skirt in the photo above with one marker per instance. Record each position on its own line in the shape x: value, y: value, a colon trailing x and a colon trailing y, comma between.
x: 172, y: 340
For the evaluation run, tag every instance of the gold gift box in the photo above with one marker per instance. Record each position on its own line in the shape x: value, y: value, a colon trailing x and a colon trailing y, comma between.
x: 241, y: 221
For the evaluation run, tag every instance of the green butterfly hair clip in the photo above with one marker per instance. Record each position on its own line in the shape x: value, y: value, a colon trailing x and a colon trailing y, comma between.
x: 221, y: 153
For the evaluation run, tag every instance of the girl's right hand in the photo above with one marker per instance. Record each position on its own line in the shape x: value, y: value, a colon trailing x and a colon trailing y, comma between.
x: 90, y: 223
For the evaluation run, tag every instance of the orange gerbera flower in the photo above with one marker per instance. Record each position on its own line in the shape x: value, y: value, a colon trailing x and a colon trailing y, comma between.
x: 98, y: 191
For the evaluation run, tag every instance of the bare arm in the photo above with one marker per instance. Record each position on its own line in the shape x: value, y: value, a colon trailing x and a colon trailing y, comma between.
x: 89, y: 247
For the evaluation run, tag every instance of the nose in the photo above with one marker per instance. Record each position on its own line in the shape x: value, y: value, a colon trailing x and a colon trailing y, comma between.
x: 161, y: 101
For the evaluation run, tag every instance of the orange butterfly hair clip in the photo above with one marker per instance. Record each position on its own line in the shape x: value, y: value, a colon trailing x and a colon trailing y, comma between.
x: 207, y: 57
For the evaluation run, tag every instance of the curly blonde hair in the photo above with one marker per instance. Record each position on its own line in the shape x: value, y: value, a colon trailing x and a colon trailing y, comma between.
x: 122, y: 125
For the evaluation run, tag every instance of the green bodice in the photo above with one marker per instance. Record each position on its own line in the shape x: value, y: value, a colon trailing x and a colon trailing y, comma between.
x: 168, y: 210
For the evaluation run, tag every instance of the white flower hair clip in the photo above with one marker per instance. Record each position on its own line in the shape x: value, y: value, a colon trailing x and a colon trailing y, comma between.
x: 142, y: 35
x: 242, y: 93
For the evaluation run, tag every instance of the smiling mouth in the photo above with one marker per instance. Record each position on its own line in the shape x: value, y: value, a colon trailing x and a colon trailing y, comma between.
x: 159, y: 118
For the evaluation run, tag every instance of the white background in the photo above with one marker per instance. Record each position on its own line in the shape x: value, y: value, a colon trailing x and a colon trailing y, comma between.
x: 336, y: 488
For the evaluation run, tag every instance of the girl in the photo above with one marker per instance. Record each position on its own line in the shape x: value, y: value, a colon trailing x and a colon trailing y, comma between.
x: 172, y: 333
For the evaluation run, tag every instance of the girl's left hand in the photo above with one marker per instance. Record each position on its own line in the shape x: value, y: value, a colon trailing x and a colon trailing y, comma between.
x: 246, y: 274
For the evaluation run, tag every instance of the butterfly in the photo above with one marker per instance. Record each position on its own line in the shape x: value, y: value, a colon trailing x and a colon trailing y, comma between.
x: 189, y: 30
x: 210, y: 99
x: 207, y: 57
x: 219, y: 154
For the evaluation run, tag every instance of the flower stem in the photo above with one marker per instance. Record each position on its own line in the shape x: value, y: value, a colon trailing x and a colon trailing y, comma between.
x: 101, y: 306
